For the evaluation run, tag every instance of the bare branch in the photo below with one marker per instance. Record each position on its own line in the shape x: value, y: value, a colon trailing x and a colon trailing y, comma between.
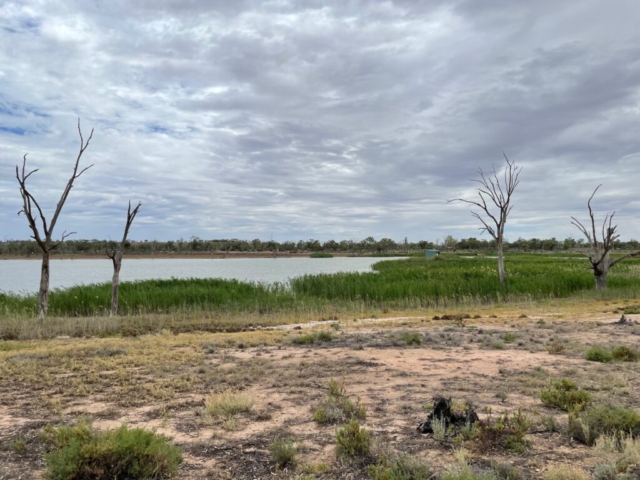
x: 498, y: 193
x: 131, y: 215
x: 629, y: 255
x: 74, y: 176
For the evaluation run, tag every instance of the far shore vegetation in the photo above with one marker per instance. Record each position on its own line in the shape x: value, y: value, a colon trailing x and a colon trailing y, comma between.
x: 368, y: 246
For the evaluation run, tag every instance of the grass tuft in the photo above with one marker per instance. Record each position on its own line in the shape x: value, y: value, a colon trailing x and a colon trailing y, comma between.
x: 283, y: 452
x: 405, y: 467
x: 337, y: 407
x: 227, y: 404
x: 566, y: 472
x: 82, y: 453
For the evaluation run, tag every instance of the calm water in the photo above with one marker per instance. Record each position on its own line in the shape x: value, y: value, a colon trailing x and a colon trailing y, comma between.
x: 23, y: 276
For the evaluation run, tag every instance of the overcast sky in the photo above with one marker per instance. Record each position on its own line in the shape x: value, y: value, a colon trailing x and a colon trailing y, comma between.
x: 319, y: 119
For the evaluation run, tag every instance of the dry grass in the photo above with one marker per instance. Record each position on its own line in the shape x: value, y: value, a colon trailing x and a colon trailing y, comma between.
x: 228, y: 404
x: 566, y: 472
x: 268, y: 388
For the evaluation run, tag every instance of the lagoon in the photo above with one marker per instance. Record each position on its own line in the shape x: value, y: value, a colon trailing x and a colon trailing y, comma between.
x: 23, y: 276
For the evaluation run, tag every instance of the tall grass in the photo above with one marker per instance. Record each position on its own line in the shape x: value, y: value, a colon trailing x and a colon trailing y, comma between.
x: 454, y: 278
x: 158, y: 296
x: 402, y: 284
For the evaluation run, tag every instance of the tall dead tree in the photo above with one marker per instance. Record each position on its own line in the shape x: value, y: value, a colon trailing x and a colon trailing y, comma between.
x: 599, y: 251
x: 495, y: 194
x: 116, y: 257
x: 32, y: 211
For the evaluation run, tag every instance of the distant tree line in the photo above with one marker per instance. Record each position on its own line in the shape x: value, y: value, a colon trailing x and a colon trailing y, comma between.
x: 367, y: 246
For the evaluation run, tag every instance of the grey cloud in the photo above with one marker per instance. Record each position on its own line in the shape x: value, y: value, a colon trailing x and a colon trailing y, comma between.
x: 320, y: 118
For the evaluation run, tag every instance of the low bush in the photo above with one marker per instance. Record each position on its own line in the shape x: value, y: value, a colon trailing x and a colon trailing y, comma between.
x: 625, y: 354
x: 507, y: 432
x: 556, y: 348
x: 565, y: 395
x: 352, y: 441
x: 408, y: 338
x: 404, y: 467
x: 83, y: 453
x: 283, y: 452
x: 620, y: 353
x: 599, y: 354
x: 586, y: 426
x: 509, y: 337
x: 310, y: 338
x: 337, y: 407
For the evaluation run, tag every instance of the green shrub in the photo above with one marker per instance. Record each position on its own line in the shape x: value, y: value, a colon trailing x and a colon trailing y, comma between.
x: 625, y: 354
x: 404, y: 467
x: 565, y: 395
x: 506, y: 471
x: 408, y: 338
x: 82, y: 453
x: 324, y: 337
x: 586, y: 426
x: 599, y: 354
x: 509, y: 337
x: 310, y: 338
x: 320, y: 255
x: 507, y: 431
x: 352, y: 441
x: 337, y: 407
x: 283, y: 452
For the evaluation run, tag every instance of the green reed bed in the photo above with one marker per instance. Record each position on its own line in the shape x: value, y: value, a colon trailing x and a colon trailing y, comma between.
x: 454, y: 278
x: 400, y: 284
x: 158, y: 296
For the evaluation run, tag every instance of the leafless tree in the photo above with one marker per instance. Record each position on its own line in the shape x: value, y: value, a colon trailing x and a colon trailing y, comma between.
x: 116, y: 257
x: 32, y: 211
x: 495, y: 194
x: 598, y: 252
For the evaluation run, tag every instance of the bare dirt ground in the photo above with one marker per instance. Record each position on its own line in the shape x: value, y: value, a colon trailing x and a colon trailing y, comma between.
x: 499, y: 362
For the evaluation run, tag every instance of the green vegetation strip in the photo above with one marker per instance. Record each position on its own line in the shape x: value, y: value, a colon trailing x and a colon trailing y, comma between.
x: 409, y: 283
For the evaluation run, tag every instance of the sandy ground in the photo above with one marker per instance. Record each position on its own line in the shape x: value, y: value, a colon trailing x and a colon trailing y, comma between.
x: 498, y: 362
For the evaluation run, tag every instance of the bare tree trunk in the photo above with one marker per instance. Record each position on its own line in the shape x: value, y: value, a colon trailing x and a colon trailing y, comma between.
x: 116, y: 257
x: 501, y: 263
x: 115, y: 282
x: 43, y: 294
x: 601, y: 271
x: 601, y: 281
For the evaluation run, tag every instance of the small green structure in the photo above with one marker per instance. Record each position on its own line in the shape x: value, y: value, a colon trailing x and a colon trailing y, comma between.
x: 431, y: 253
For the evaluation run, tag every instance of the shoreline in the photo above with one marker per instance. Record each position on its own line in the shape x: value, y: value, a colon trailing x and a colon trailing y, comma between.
x: 193, y: 256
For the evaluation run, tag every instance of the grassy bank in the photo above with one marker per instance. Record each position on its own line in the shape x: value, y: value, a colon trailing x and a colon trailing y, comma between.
x: 409, y: 284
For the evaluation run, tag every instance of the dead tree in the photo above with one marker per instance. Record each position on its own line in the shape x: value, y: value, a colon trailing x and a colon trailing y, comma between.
x: 598, y: 253
x: 116, y: 257
x: 495, y: 194
x: 32, y: 211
